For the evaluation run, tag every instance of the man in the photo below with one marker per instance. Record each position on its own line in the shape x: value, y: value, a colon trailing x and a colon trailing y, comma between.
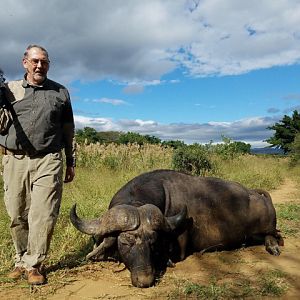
x: 32, y: 161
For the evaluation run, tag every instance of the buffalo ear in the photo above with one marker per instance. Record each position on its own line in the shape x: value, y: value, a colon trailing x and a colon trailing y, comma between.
x: 177, y: 220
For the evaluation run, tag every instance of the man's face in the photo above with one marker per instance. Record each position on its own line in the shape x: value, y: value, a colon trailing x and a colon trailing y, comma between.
x: 37, y: 65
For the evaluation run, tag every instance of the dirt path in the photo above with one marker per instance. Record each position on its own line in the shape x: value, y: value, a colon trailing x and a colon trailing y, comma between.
x: 286, y: 193
x: 109, y: 280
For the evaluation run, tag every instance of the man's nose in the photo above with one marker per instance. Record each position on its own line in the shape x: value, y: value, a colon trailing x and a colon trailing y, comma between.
x: 39, y: 64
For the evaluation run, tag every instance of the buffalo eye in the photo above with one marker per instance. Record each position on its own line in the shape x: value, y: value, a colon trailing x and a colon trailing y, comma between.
x: 152, y: 237
x: 126, y: 239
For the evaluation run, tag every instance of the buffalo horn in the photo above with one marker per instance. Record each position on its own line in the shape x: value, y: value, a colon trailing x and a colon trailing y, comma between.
x: 119, y: 218
x: 175, y: 221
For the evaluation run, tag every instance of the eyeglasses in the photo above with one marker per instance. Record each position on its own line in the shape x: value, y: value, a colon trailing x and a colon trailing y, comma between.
x: 35, y: 62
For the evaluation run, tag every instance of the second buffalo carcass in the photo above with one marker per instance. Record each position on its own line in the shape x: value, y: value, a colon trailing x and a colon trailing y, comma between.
x: 164, y: 215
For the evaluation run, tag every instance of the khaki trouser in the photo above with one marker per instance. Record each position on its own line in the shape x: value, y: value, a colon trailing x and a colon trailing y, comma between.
x: 32, y: 195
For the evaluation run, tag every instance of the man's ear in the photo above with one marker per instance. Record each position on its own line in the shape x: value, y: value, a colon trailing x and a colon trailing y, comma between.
x: 25, y: 63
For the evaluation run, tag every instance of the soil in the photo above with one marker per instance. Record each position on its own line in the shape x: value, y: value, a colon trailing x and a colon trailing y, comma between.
x: 109, y: 280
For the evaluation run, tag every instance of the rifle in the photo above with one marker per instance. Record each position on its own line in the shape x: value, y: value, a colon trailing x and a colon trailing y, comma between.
x: 6, y: 118
x: 2, y: 89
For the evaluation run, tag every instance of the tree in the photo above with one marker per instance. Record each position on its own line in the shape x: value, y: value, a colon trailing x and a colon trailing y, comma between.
x: 285, y: 132
x: 151, y: 139
x: 87, y: 135
x: 230, y: 149
x: 131, y: 138
x: 295, y: 150
x: 241, y: 147
x: 134, y: 137
x: 173, y: 144
x: 109, y: 136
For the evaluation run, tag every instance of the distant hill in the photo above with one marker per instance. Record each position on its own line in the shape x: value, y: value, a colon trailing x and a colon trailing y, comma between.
x: 266, y: 151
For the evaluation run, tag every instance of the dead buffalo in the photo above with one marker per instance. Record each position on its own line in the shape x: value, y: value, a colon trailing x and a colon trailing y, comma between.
x: 164, y: 215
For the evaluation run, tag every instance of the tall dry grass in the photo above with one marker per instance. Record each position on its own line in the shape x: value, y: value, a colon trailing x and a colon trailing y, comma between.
x: 253, y: 171
x: 129, y: 157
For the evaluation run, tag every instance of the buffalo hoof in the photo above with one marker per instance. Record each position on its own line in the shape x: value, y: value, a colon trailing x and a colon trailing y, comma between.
x: 170, y: 264
x: 272, y: 245
x: 273, y: 250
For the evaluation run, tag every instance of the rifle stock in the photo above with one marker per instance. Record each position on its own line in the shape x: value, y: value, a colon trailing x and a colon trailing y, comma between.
x: 3, y: 100
x: 6, y: 115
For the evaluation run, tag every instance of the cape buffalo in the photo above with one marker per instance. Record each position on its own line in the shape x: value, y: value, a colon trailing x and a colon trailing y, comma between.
x: 164, y: 215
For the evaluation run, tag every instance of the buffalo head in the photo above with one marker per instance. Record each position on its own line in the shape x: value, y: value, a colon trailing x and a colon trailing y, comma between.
x: 135, y: 232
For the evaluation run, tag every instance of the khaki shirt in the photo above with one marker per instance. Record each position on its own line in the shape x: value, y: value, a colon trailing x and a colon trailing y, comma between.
x: 43, y: 121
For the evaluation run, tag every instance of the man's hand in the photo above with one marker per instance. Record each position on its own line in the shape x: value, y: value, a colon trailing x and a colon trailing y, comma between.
x: 70, y: 173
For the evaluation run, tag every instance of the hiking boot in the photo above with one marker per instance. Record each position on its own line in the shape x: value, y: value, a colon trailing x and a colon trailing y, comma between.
x: 16, y: 273
x: 34, y: 277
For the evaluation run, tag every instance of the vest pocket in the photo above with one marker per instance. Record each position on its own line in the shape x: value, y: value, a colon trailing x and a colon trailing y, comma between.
x: 55, y: 106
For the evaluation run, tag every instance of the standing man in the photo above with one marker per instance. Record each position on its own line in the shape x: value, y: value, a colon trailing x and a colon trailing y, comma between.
x: 42, y: 126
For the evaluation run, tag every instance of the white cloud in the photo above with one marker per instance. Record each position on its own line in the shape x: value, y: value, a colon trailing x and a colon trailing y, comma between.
x: 292, y: 97
x: 252, y: 130
x: 133, y: 89
x: 273, y: 110
x: 100, y: 124
x: 114, y: 102
x: 136, y: 40
x: 291, y: 109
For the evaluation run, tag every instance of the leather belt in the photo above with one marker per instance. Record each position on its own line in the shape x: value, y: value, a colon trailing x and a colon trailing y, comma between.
x: 6, y: 151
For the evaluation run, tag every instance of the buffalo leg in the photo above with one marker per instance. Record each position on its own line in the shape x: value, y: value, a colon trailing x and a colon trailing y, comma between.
x: 182, y: 242
x: 271, y: 244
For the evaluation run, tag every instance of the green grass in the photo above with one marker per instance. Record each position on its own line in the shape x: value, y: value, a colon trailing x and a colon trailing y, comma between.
x: 289, y: 211
x: 212, y: 291
x: 271, y: 283
x: 266, y: 172
x: 288, y: 218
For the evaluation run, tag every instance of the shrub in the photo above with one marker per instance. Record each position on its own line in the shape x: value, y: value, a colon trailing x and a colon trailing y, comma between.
x: 191, y: 159
x: 230, y: 149
x: 295, y: 150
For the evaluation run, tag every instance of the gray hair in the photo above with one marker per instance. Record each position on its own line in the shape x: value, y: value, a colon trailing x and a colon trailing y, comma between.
x: 35, y: 46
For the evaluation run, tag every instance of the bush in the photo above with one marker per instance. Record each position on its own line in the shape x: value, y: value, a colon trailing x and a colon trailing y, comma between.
x: 230, y: 149
x: 295, y: 150
x: 191, y: 159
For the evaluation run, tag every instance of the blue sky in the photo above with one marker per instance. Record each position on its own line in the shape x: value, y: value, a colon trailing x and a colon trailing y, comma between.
x: 183, y: 69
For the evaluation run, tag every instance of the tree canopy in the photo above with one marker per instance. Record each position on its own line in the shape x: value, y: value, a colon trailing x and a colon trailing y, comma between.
x: 89, y: 135
x: 133, y: 137
x: 285, y: 132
